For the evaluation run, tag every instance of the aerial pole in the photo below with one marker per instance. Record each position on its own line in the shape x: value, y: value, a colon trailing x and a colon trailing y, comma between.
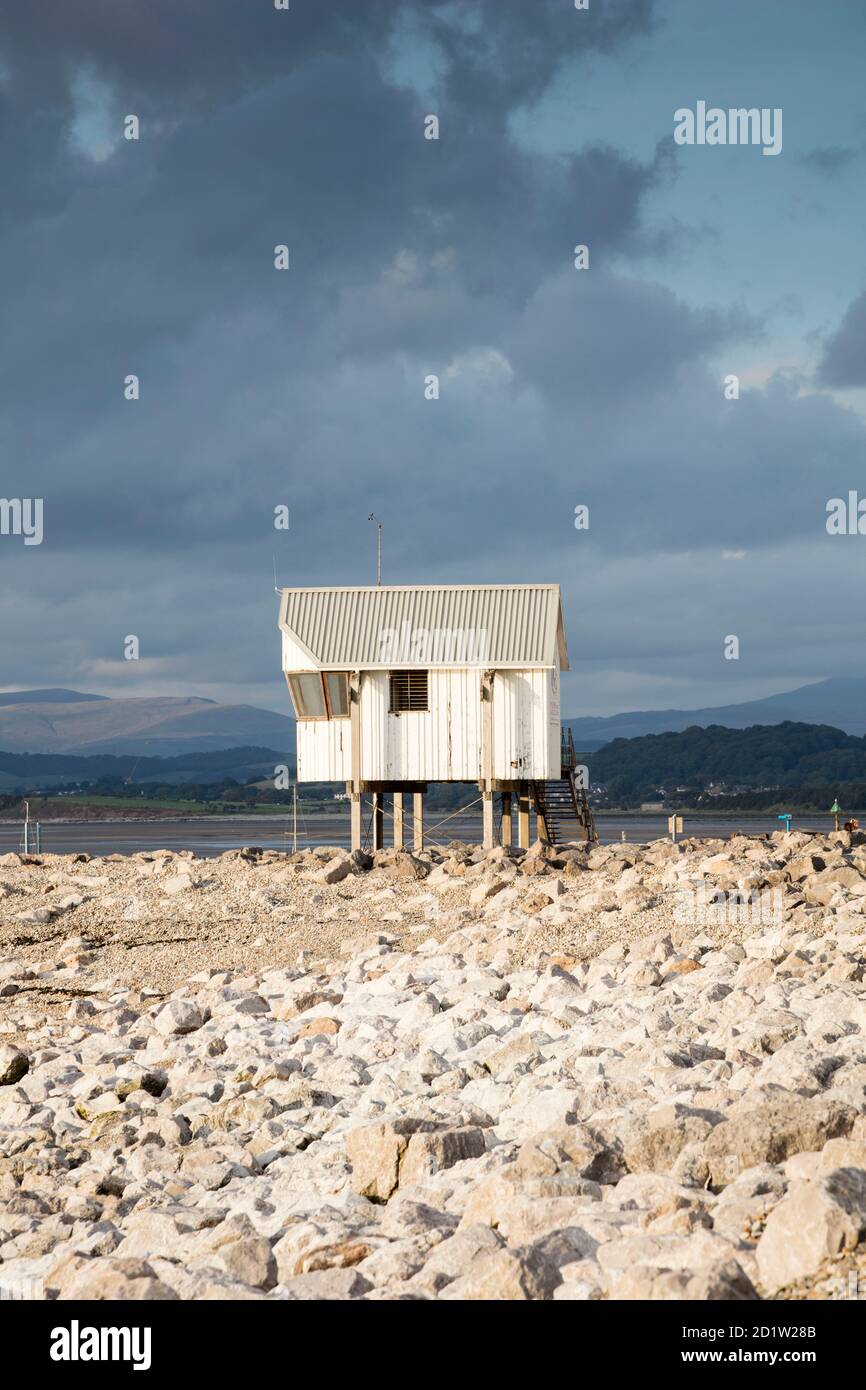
x: 371, y: 517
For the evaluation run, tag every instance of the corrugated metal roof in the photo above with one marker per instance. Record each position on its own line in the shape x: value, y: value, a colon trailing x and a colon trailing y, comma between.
x: 486, y: 625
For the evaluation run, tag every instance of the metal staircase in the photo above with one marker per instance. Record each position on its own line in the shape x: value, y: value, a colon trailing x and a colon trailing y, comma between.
x: 563, y: 806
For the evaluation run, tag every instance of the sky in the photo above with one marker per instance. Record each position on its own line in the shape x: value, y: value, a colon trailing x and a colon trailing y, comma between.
x: 410, y: 257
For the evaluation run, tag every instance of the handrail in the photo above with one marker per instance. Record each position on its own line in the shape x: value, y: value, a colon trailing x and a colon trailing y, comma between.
x: 567, y: 755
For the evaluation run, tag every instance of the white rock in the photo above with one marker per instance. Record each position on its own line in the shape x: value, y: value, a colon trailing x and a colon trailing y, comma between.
x: 178, y: 1016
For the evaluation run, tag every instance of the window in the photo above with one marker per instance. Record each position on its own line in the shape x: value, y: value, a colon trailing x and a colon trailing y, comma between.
x: 308, y: 696
x: 408, y: 691
x: 317, y: 696
x: 337, y: 691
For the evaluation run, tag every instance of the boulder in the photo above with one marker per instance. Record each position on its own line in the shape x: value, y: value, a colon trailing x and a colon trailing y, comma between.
x: 328, y: 1285
x: 506, y: 1275
x: 13, y: 1065
x: 178, y: 1016
x: 725, y: 1281
x: 654, y: 1148
x: 375, y: 1152
x: 332, y: 872
x: 110, y: 1280
x: 408, y: 866
x: 428, y: 1152
x: 772, y: 1132
x: 813, y: 1222
x: 573, y: 1150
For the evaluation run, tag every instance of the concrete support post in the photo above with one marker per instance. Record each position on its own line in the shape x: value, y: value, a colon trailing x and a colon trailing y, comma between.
x: 506, y: 818
x: 523, y: 816
x: 356, y: 820
x: 398, y: 820
x: 417, y: 820
x: 487, y: 806
x: 378, y: 821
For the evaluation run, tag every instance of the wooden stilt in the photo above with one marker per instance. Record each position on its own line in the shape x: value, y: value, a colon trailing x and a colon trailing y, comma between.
x: 417, y: 820
x: 378, y: 820
x: 356, y: 820
x: 523, y: 816
x: 398, y: 820
x: 506, y: 818
x: 487, y: 808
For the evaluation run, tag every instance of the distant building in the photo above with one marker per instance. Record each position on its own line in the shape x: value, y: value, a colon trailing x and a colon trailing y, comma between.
x: 395, y: 687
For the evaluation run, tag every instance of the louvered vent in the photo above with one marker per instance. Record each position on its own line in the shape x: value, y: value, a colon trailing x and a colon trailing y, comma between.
x: 408, y: 691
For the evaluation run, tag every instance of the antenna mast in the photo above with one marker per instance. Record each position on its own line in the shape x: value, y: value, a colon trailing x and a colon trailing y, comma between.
x: 371, y: 517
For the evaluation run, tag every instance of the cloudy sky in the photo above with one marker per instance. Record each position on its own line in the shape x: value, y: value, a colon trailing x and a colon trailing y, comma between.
x: 411, y: 257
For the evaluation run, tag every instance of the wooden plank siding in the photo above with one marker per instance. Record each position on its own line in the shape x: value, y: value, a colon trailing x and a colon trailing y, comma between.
x: 442, y: 744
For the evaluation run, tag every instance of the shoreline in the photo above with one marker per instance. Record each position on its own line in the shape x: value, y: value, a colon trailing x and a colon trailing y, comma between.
x: 183, y: 817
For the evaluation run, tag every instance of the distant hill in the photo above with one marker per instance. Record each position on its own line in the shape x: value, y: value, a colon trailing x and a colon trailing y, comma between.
x: 781, y: 755
x: 47, y: 721
x: 840, y: 702
x: 47, y: 697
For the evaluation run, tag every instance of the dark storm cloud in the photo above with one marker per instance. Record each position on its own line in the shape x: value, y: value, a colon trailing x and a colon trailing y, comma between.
x: 829, y: 160
x: 843, y: 363
x: 409, y: 258
x: 161, y: 262
x: 591, y: 337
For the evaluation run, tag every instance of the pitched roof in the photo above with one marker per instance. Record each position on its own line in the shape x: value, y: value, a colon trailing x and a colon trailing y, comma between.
x: 422, y: 625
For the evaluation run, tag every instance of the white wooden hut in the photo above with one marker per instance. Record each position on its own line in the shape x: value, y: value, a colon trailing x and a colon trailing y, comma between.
x: 398, y: 686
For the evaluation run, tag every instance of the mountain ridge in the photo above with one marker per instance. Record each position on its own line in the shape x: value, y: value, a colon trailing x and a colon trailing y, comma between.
x: 68, y: 721
x: 839, y: 701
x: 157, y: 726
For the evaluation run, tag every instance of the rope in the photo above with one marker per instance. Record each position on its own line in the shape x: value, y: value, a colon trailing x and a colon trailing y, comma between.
x: 458, y: 812
x: 428, y: 830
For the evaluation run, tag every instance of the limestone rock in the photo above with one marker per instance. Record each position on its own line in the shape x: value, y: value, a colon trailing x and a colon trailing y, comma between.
x: 429, y: 1152
x: 771, y: 1133
x: 13, y: 1065
x: 328, y: 1284
x: 375, y: 1152
x: 815, y: 1221
x: 112, y: 1280
x: 178, y: 1016
x: 506, y: 1275
x: 724, y: 1281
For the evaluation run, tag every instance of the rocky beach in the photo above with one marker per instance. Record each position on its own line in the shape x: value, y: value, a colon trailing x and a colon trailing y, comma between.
x: 570, y: 1073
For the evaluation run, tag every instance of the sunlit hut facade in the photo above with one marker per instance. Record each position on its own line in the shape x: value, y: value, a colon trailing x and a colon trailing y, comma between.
x: 395, y: 687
